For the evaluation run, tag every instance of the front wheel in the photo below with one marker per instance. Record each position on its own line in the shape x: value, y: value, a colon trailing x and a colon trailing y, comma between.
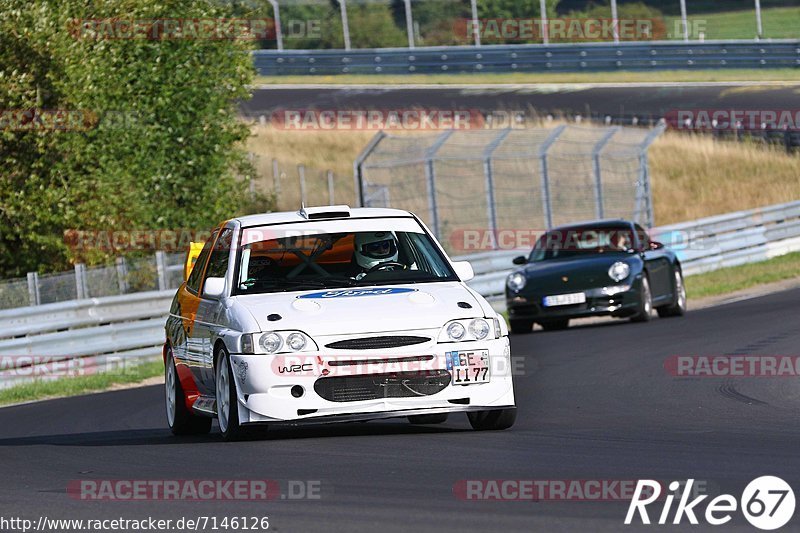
x: 645, y: 309
x: 678, y: 307
x: 227, y: 401
x: 494, y: 420
x: 181, y: 421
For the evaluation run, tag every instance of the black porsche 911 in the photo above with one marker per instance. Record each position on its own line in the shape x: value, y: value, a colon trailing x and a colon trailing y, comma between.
x: 605, y: 268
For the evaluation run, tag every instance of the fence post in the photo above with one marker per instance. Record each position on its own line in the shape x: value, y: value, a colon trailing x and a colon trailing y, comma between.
x: 358, y: 172
x: 161, y: 269
x: 301, y: 171
x: 33, y: 288
x: 489, y: 175
x: 276, y: 178
x: 278, y: 34
x: 543, y: 149
x: 80, y: 281
x: 647, y: 192
x: 330, y: 188
x: 430, y: 180
x: 122, y: 275
x: 598, y: 180
x: 409, y: 24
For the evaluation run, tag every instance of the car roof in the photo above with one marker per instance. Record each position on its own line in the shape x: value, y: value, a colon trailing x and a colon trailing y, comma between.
x: 595, y: 224
x: 295, y: 216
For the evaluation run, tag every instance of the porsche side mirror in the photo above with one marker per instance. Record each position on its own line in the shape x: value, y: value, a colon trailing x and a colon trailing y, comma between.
x: 464, y: 270
x: 521, y: 260
x: 654, y: 245
x: 213, y: 287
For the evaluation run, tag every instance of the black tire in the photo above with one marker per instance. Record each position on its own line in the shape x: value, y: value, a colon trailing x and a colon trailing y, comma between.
x: 494, y: 420
x: 678, y: 306
x: 645, y: 309
x: 520, y: 326
x: 555, y: 325
x: 439, y: 418
x: 181, y: 421
x: 229, y: 420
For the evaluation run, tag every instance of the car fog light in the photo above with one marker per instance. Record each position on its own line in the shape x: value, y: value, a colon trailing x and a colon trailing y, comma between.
x: 456, y: 331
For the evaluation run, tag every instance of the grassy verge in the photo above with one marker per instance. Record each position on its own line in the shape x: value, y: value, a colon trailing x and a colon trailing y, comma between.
x: 657, y: 76
x: 778, y: 22
x: 73, y: 386
x: 732, y: 279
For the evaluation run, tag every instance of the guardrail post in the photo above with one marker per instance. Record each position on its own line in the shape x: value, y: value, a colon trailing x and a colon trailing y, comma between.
x: 161, y: 269
x: 33, y: 288
x: 80, y: 281
x: 122, y: 275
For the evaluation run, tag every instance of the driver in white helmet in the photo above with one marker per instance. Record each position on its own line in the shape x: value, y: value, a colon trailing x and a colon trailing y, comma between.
x: 374, y: 249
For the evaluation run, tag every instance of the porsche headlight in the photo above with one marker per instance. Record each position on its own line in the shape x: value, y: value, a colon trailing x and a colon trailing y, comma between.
x: 271, y: 342
x: 479, y: 328
x: 456, y: 331
x: 619, y: 271
x: 516, y: 281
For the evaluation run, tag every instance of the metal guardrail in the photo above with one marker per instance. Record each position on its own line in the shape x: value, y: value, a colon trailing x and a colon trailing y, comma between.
x: 533, y: 58
x: 98, y: 334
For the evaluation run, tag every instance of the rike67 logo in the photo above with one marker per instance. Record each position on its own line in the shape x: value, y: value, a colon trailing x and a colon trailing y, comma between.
x: 767, y: 503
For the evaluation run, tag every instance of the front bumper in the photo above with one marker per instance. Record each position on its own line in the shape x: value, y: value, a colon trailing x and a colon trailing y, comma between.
x: 265, y: 393
x: 530, y: 306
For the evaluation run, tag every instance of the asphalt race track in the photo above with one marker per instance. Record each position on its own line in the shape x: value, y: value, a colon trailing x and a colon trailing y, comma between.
x: 618, y: 100
x: 595, y: 402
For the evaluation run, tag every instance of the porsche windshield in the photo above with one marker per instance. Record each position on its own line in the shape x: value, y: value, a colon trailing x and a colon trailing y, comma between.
x: 580, y: 242
x: 335, y: 260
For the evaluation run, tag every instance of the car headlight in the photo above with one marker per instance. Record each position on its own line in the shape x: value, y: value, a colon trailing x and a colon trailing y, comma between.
x: 516, y: 281
x: 479, y: 328
x: 456, y: 331
x: 296, y: 341
x: 271, y: 342
x: 619, y: 271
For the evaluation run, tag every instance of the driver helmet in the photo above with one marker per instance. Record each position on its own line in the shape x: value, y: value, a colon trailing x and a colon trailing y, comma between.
x: 374, y: 248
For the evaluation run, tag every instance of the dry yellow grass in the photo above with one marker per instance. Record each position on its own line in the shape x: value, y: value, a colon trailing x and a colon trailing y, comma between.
x: 696, y: 176
x: 692, y: 176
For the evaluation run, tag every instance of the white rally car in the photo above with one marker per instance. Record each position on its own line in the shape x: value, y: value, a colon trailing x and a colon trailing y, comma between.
x: 332, y: 314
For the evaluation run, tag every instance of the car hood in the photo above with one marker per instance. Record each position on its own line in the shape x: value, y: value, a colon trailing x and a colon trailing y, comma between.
x: 576, y: 273
x: 344, y: 311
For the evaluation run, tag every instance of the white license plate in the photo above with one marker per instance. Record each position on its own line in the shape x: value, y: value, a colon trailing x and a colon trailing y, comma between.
x: 565, y: 299
x: 469, y: 367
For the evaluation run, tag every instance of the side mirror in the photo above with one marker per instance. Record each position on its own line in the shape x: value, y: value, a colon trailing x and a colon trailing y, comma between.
x: 521, y: 260
x: 214, y: 287
x: 464, y: 270
x: 654, y: 245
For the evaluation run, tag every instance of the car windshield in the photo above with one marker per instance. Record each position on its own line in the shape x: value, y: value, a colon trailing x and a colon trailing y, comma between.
x: 335, y: 260
x: 581, y: 242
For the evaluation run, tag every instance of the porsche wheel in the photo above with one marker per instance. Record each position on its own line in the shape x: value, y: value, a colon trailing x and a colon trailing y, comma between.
x: 645, y: 310
x: 678, y: 307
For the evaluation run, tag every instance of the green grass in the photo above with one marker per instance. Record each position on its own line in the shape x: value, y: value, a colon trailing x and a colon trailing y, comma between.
x: 656, y: 76
x: 732, y: 279
x: 778, y: 23
x: 73, y: 386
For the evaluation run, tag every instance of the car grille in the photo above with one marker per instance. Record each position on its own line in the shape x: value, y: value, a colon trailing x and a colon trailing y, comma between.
x: 376, y: 343
x: 375, y: 386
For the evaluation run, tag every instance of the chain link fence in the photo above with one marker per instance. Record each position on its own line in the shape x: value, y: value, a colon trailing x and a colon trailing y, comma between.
x: 160, y: 271
x: 512, y: 179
